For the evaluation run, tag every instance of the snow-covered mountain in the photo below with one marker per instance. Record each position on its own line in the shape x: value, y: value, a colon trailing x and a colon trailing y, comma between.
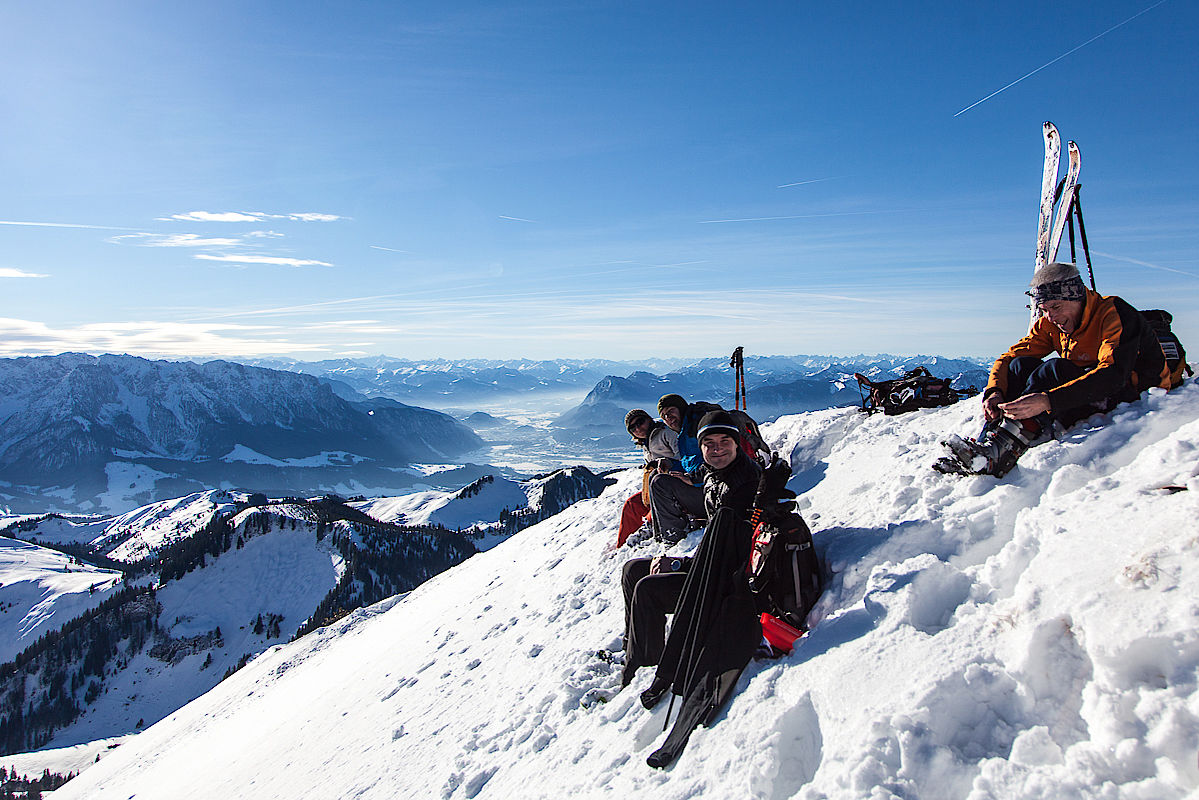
x: 44, y: 589
x: 777, y: 385
x: 464, y: 382
x: 198, y: 572
x: 201, y: 585
x: 492, y: 508
x: 1031, y: 637
x: 80, y: 432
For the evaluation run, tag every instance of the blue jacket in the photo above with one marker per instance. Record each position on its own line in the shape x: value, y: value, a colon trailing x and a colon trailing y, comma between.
x: 689, y: 453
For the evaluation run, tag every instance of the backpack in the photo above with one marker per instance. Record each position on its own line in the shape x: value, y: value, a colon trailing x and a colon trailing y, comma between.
x: 783, y: 572
x: 752, y: 443
x: 918, y: 388
x: 1172, y: 349
x: 751, y: 438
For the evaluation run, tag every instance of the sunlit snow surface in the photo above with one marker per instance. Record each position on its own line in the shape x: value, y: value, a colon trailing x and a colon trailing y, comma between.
x: 42, y: 590
x: 1034, y: 637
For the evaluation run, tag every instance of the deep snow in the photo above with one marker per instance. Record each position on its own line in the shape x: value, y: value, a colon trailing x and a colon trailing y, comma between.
x: 1033, y: 637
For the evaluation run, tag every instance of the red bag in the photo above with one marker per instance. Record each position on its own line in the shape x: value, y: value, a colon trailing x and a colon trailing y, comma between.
x: 780, y: 635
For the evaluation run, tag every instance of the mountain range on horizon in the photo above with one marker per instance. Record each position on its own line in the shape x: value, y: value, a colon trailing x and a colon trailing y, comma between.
x: 108, y: 433
x: 81, y: 432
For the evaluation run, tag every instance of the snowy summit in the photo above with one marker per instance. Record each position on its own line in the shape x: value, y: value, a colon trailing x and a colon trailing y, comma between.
x: 1031, y: 637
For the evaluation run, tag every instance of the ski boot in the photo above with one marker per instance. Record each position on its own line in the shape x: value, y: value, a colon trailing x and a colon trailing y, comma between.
x: 995, y: 452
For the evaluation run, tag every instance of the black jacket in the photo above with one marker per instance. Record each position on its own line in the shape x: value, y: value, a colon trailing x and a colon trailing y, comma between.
x: 732, y: 487
x: 716, y: 628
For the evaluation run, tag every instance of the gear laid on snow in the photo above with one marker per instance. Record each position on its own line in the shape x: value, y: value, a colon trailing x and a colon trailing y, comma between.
x: 918, y: 388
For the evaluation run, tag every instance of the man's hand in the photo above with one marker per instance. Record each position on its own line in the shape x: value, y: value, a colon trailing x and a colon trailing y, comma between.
x: 1027, y: 406
x: 661, y: 564
x: 991, y: 403
x: 683, y: 476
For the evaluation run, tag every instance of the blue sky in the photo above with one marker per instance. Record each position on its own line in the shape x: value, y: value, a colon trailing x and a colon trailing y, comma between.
x: 609, y: 179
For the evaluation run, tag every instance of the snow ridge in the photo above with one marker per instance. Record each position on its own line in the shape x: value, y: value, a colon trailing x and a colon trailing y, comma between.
x: 1033, y: 637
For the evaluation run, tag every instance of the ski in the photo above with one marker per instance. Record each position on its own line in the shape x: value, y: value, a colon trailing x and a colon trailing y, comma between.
x: 1059, y: 225
x: 1053, y: 149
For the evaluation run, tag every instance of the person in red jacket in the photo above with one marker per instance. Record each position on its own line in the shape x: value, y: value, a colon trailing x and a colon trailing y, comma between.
x: 1108, y: 354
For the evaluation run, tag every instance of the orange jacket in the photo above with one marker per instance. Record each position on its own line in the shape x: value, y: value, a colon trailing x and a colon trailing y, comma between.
x: 1113, y: 343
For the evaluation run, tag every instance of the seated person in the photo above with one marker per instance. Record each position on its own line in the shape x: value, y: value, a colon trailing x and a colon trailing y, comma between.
x: 725, y: 478
x: 657, y: 443
x: 674, y: 502
x: 1108, y: 355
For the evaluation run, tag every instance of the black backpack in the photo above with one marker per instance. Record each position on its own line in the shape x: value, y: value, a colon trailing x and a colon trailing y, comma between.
x: 918, y: 388
x: 783, y: 570
x: 1172, y: 349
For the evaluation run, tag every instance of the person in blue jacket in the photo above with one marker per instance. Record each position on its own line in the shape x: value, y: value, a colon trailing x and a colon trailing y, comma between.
x: 676, y: 502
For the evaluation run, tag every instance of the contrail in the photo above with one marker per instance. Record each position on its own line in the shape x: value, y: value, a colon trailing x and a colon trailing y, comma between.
x: 1145, y: 264
x: 1059, y: 58
x: 388, y: 249
x: 522, y: 219
x: 64, y: 225
x: 801, y: 183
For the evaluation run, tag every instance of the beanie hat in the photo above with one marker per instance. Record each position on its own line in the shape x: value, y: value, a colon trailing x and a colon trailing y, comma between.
x: 717, y: 422
x: 635, y: 416
x: 1056, y: 281
x: 672, y: 401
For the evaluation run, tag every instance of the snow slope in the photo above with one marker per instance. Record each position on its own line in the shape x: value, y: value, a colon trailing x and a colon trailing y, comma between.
x: 42, y: 589
x: 137, y: 533
x: 284, y: 571
x: 134, y: 534
x: 450, y: 509
x: 1033, y: 637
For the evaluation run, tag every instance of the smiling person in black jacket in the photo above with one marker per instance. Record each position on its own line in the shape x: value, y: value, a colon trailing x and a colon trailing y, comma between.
x: 652, y: 587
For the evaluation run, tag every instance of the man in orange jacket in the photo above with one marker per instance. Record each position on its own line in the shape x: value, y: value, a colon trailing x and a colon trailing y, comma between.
x: 1108, y: 355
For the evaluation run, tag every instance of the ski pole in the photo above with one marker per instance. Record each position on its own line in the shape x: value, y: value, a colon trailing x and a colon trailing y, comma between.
x: 1082, y: 232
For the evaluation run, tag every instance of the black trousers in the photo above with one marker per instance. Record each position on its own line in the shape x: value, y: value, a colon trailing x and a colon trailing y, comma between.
x: 647, y: 601
x: 1030, y: 375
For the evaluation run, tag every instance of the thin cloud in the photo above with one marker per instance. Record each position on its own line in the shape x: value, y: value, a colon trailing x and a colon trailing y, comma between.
x: 311, y: 217
x: 677, y: 264
x: 174, y: 240
x: 9, y: 272
x: 1059, y: 58
x: 151, y: 338
x: 213, y: 216
x: 273, y: 260
x: 800, y: 216
x: 248, y: 216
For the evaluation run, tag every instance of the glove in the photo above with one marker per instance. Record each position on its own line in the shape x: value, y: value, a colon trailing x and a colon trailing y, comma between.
x: 773, y: 495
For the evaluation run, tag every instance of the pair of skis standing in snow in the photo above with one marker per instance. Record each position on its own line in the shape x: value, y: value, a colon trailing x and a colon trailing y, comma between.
x: 1108, y: 351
